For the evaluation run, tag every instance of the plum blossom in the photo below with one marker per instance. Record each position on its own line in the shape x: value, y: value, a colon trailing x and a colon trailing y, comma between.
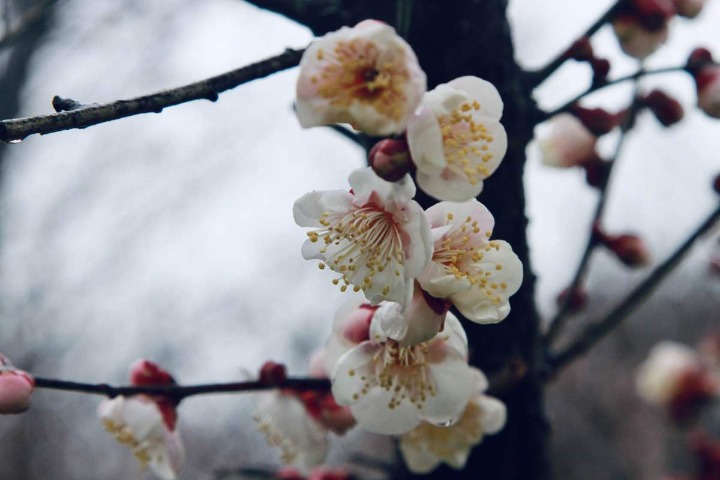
x: 375, y: 236
x: 565, y: 142
x: 477, y: 274
x: 367, y: 76
x: 16, y: 387
x: 147, y: 424
x: 139, y: 423
x: 456, y: 139
x: 390, y: 389
x: 424, y: 448
x: 282, y: 418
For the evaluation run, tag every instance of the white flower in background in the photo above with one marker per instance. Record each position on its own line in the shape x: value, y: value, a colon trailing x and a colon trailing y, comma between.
x: 282, y: 418
x: 565, y: 142
x: 477, y: 274
x: 367, y: 76
x: 375, y: 236
x: 390, y: 389
x: 424, y: 448
x: 635, y: 39
x: 659, y: 378
x: 139, y: 423
x: 419, y: 322
x: 455, y: 138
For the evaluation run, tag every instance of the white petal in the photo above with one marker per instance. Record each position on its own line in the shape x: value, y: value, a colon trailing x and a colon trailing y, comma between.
x: 346, y: 378
x: 484, y: 92
x: 454, y: 387
x: 418, y: 460
x: 437, y: 215
x: 448, y: 186
x: 168, y: 457
x: 373, y: 414
x: 454, y: 335
x: 365, y: 182
x: 417, y: 324
x: 425, y: 141
x: 494, y: 414
x: 308, y: 208
x: 418, y: 243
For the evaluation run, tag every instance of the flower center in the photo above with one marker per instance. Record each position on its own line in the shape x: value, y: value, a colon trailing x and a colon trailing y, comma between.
x: 360, y: 244
x: 465, y: 142
x: 355, y: 73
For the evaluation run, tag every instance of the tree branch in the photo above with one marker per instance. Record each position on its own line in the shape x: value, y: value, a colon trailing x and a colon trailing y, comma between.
x: 597, y: 331
x: 563, y: 312
x: 537, y: 77
x: 179, y: 392
x: 18, y: 129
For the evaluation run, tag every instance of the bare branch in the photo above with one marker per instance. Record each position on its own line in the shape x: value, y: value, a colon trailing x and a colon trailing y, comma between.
x: 179, y: 392
x: 86, y: 116
x: 597, y: 331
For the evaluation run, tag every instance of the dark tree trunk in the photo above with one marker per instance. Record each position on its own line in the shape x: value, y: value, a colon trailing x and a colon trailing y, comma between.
x: 451, y: 39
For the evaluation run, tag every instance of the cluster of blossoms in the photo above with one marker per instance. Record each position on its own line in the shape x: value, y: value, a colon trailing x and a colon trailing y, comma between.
x: 397, y: 357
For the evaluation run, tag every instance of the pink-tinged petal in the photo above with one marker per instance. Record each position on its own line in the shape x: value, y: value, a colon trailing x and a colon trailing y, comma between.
x: 374, y: 415
x: 167, y: 462
x: 565, y: 142
x: 453, y: 384
x: 489, y: 303
x: 364, y: 183
x: 425, y: 142
x: 309, y: 208
x: 491, y: 104
x: 16, y: 388
x: 351, y: 373
x: 494, y: 414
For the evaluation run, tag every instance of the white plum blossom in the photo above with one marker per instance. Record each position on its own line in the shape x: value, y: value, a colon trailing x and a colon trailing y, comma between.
x: 150, y: 433
x: 659, y: 378
x: 428, y: 445
x: 375, y: 236
x: 367, y: 76
x: 390, y: 389
x: 282, y: 418
x: 635, y: 39
x: 455, y: 138
x: 565, y: 142
x: 477, y: 274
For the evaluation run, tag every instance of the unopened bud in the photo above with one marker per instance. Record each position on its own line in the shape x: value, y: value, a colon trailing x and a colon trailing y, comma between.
x: 356, y: 328
x: 601, y: 70
x: 390, y: 159
x: 636, y: 37
x: 16, y: 387
x: 629, y: 249
x: 145, y: 372
x: 689, y: 8
x: 698, y: 58
x: 576, y: 300
x: 666, y: 109
x: 581, y: 50
x: 596, y: 171
x: 653, y: 14
x: 597, y: 120
x: 272, y: 374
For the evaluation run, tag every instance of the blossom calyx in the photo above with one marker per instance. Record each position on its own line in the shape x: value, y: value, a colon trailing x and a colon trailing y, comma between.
x: 390, y: 159
x: 367, y: 76
x: 272, y: 374
x: 630, y: 249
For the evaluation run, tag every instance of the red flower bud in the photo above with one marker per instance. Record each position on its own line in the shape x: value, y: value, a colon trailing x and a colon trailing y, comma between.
x: 597, y: 120
x: 601, y: 69
x: 596, y: 171
x: 145, y: 372
x: 390, y: 159
x: 698, y: 57
x: 272, y: 374
x: 577, y: 301
x: 629, y: 249
x: 581, y: 50
x: 653, y: 14
x: 666, y: 109
x: 16, y: 387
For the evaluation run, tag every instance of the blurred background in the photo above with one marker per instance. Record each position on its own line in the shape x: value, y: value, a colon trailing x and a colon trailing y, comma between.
x: 170, y: 236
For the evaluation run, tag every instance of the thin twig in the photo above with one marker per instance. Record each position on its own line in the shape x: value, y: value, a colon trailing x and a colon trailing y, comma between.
x: 537, y: 77
x: 29, y: 18
x: 179, y: 392
x: 596, y: 331
x: 14, y: 130
x: 593, y: 88
x: 562, y: 315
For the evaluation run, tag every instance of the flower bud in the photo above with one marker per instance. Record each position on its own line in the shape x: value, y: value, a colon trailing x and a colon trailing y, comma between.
x: 666, y: 109
x: 636, y: 39
x: 629, y: 249
x: 596, y: 171
x: 577, y: 301
x: 566, y: 142
x: 16, y: 387
x: 580, y: 50
x: 698, y: 58
x: 272, y: 373
x: 597, y: 120
x: 652, y: 14
x: 689, y: 8
x: 390, y: 159
x: 601, y: 69
x: 145, y: 372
